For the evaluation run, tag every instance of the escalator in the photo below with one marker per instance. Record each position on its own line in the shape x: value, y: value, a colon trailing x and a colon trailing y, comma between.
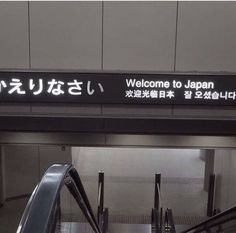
x: 43, y: 211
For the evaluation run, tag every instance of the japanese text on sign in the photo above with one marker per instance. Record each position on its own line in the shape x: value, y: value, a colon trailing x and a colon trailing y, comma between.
x: 118, y: 88
x: 53, y: 87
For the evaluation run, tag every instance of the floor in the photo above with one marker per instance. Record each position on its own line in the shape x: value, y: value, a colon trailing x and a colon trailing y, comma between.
x: 10, y: 215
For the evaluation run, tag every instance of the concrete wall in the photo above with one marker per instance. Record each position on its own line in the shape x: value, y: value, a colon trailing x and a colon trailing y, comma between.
x: 138, y: 162
x: 25, y: 165
x: 158, y: 36
x: 225, y: 163
x: 184, y: 36
x: 129, y: 179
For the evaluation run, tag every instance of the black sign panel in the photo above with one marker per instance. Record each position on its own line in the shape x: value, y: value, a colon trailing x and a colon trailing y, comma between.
x: 118, y: 88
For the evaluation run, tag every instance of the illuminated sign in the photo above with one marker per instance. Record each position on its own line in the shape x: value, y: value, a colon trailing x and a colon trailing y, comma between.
x: 118, y: 88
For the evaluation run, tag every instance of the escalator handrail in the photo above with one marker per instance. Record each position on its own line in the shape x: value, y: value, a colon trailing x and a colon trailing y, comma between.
x: 100, y: 193
x: 217, y: 217
x: 43, y: 201
x: 160, y: 198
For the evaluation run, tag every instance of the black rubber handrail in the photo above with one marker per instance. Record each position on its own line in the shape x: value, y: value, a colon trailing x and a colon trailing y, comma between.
x: 157, y: 198
x: 102, y: 213
x: 100, y: 194
x: 40, y: 210
x: 216, y: 220
x: 156, y: 215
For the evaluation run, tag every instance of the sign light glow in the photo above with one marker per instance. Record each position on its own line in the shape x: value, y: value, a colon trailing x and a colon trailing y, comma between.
x: 118, y: 88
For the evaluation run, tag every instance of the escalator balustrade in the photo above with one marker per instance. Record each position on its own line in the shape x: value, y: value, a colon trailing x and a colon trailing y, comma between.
x: 43, y: 209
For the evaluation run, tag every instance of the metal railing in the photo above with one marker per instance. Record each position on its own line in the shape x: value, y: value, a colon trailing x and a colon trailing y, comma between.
x: 102, y: 212
x: 169, y: 224
x: 157, y: 212
x: 211, y: 195
x: 156, y: 215
x: 217, y: 221
x: 43, y: 205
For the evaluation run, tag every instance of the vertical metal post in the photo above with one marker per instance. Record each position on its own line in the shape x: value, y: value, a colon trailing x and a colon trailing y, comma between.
x: 171, y: 221
x: 100, y: 194
x: 2, y: 191
x: 161, y: 219
x: 105, y: 221
x: 211, y: 196
x: 157, y: 184
x: 209, y: 157
x: 167, y: 223
x: 155, y: 226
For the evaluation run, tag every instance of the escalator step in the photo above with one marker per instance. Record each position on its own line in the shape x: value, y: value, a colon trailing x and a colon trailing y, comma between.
x: 72, y: 227
x: 140, y: 219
